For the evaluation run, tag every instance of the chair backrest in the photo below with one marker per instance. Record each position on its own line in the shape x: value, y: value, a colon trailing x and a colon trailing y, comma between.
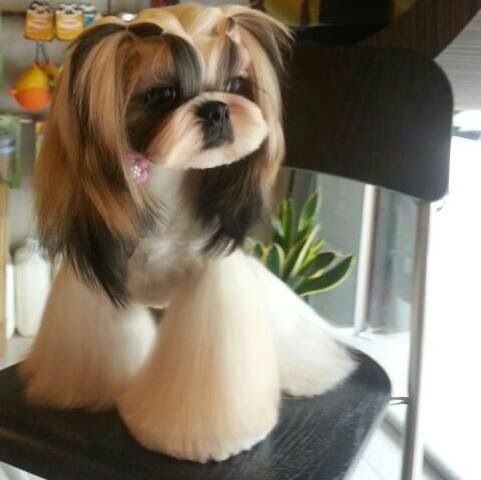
x: 382, y: 116
x: 428, y: 27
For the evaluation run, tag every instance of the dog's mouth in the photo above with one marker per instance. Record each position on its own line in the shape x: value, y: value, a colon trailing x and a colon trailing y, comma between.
x: 219, y: 139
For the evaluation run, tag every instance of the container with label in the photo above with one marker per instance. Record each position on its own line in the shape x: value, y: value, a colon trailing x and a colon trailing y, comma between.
x: 32, y: 283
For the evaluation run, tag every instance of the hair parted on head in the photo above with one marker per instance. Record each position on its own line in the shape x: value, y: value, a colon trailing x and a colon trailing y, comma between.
x: 90, y: 211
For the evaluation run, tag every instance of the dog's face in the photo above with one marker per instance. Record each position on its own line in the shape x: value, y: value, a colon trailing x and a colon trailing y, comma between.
x: 192, y: 104
x: 185, y: 87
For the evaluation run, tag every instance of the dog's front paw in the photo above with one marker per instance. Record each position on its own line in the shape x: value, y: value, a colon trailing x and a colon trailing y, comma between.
x: 210, y: 388
x: 197, y: 435
x: 87, y: 350
x: 195, y: 444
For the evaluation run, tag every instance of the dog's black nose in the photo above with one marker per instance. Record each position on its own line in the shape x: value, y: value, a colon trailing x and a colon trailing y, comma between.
x: 216, y: 123
x: 214, y: 112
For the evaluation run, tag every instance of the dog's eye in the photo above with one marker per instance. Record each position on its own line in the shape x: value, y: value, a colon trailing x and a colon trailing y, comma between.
x: 239, y: 86
x: 161, y: 97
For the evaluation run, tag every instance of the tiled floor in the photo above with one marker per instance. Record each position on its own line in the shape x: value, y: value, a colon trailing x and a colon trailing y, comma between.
x: 381, y: 459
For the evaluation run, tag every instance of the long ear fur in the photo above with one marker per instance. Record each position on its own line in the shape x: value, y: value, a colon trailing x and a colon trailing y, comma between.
x: 236, y: 194
x: 88, y: 209
x: 269, y: 44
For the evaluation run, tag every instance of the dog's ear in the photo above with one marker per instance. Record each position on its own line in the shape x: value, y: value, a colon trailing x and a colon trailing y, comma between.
x: 235, y: 195
x: 89, y: 210
x: 269, y: 44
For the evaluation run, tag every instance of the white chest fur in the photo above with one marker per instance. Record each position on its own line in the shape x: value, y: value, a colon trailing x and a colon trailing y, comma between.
x: 170, y: 252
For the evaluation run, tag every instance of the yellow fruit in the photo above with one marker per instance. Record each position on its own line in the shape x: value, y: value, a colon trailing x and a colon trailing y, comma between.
x: 32, y: 77
x: 31, y: 89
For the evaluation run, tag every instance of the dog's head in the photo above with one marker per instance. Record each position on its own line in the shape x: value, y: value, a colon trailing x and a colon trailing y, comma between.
x: 186, y: 87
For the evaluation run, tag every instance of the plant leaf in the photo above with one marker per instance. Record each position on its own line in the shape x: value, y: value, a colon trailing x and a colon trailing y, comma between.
x: 304, y: 233
x: 275, y: 259
x: 277, y: 230
x: 317, y: 246
x: 254, y: 247
x: 328, y: 280
x: 288, y: 224
x: 303, y: 254
x: 308, y: 212
x: 313, y: 267
x: 291, y: 258
x: 279, y: 223
x: 259, y: 250
x: 314, y: 250
x: 281, y: 211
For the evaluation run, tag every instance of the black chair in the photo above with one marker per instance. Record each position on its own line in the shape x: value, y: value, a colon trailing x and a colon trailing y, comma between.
x: 316, y: 439
x: 381, y: 116
x: 374, y: 114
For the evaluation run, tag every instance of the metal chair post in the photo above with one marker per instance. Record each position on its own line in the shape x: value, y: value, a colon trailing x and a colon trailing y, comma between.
x: 413, y: 441
x: 365, y: 262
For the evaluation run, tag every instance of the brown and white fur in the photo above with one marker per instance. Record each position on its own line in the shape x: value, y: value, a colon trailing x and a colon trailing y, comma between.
x: 206, y: 382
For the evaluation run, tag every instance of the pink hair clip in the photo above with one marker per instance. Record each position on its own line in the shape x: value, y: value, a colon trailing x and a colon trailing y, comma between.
x: 139, y: 167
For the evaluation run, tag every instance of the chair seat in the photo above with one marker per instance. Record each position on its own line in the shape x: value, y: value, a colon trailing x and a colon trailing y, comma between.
x: 316, y: 438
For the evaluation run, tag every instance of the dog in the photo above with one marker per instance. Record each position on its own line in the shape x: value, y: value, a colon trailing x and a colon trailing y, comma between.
x: 161, y: 149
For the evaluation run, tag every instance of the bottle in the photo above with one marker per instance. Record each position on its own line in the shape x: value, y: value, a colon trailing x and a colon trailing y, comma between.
x: 7, y: 152
x: 32, y: 283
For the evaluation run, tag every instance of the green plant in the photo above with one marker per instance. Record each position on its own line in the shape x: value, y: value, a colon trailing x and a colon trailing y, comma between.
x: 296, y: 253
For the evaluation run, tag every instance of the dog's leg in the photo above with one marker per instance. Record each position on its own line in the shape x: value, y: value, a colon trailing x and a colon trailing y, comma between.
x: 86, y: 350
x: 310, y: 360
x: 210, y: 389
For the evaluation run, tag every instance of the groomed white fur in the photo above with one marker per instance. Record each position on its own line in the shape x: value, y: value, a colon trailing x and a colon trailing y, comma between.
x: 310, y: 360
x: 86, y: 350
x: 233, y: 337
x: 210, y: 389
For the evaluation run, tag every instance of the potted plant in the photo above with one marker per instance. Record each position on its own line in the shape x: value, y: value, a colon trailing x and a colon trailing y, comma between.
x: 296, y: 253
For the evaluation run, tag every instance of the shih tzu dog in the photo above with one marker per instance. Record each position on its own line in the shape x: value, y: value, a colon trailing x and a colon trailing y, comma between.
x: 161, y: 149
